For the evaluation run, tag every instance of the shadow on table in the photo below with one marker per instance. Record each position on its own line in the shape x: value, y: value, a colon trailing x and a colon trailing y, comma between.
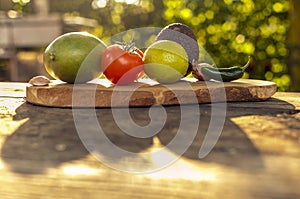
x: 50, y: 138
x: 234, y: 148
x: 47, y: 139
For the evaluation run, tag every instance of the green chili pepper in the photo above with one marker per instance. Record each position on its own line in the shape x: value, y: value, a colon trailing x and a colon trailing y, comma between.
x: 225, y: 74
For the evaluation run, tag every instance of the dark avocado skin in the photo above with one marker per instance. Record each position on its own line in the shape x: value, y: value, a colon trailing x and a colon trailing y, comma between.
x: 183, y: 35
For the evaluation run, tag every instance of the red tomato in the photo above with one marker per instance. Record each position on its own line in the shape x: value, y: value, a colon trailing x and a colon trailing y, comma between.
x: 121, y: 66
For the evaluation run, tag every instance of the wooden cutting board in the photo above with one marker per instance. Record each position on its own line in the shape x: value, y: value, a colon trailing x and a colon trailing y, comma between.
x: 100, y: 93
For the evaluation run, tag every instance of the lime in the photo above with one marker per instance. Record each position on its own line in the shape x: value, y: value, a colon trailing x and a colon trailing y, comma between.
x: 165, y: 61
x: 185, y: 36
x: 74, y: 57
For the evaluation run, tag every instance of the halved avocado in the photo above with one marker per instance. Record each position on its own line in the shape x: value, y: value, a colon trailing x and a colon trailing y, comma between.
x: 183, y: 35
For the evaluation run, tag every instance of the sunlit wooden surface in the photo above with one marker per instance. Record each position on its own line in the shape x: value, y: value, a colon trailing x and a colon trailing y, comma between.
x: 257, y: 155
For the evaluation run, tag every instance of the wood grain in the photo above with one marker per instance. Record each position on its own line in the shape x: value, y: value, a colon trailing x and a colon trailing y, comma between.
x: 147, y: 93
x: 256, y: 157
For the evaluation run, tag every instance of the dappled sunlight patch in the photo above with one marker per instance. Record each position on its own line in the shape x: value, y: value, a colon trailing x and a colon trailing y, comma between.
x: 279, y: 135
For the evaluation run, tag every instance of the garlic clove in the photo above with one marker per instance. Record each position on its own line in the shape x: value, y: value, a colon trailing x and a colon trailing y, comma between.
x: 39, y: 81
x: 197, y: 71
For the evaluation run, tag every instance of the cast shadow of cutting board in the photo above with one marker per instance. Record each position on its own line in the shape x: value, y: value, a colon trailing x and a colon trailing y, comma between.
x: 49, y: 137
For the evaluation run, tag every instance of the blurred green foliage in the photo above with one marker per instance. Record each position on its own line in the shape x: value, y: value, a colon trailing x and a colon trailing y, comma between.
x: 229, y: 30
x: 21, y: 6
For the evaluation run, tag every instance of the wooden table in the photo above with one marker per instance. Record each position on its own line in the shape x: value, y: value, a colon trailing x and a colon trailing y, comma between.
x: 256, y: 156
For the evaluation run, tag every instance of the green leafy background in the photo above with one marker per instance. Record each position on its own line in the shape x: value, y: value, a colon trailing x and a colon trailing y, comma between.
x: 229, y: 30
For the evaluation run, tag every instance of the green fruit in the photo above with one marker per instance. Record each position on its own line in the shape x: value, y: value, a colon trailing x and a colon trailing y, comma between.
x: 74, y: 57
x: 165, y: 61
x: 183, y: 35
